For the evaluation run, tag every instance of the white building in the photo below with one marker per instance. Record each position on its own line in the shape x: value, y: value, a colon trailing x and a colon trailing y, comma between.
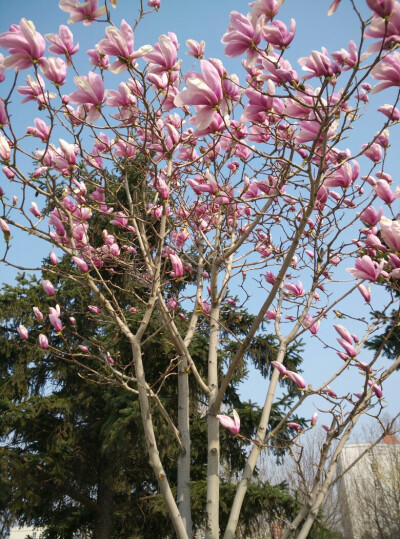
x: 369, y: 493
x: 26, y: 531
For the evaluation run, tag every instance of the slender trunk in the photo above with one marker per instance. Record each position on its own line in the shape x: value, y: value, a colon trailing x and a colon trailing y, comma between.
x: 154, y: 457
x: 183, y: 490
x: 252, y: 460
x: 213, y: 431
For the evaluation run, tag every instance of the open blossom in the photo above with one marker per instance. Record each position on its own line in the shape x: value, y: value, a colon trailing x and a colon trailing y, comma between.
x: 63, y: 43
x: 309, y: 323
x: 86, y: 12
x: 366, y: 268
x: 388, y: 71
x: 55, y: 322
x: 382, y: 189
x: 370, y: 216
x: 25, y: 45
x: 295, y: 289
x: 205, y: 93
x: 163, y: 59
x: 318, y: 64
x: 391, y: 233
x: 196, y: 49
x: 278, y: 35
x: 35, y: 91
x: 91, y: 93
x: 120, y: 43
x: 233, y: 425
x: 54, y: 69
x: 390, y: 111
x: 243, y: 36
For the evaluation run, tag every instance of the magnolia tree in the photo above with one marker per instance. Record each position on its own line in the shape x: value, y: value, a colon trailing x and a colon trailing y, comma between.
x: 238, y: 183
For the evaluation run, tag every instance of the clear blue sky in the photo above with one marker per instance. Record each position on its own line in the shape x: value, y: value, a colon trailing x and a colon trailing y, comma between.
x: 208, y: 20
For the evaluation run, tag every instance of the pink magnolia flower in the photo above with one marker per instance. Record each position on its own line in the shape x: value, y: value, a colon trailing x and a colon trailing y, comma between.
x: 163, y: 59
x: 343, y: 333
x: 205, y: 93
x: 318, y: 64
x: 63, y: 43
x: 366, y: 269
x: 376, y: 389
x: 349, y: 348
x: 120, y: 43
x: 98, y: 58
x: 23, y: 332
x: 55, y: 322
x: 343, y: 176
x: 390, y: 111
x: 5, y: 151
x: 365, y: 291
x: 297, y: 379
x: 3, y: 113
x: 333, y: 7
x: 154, y: 3
x: 382, y: 189
x: 279, y: 367
x: 270, y: 314
x: 373, y: 152
x: 314, y: 419
x: 91, y: 94
x: 295, y: 289
x: 25, y: 45
x: 326, y: 427
x: 196, y: 49
x: 177, y: 266
x: 309, y: 323
x: 86, y: 12
x: 278, y: 35
x: 391, y: 233
x: 38, y: 314
x: 328, y: 391
x: 34, y: 209
x: 43, y: 341
x: 382, y: 8
x: 370, y: 216
x: 84, y: 348
x: 48, y: 288
x: 233, y: 425
x: 2, y: 76
x: 41, y: 130
x: 294, y: 426
x: 54, y: 69
x: 388, y: 71
x: 72, y: 319
x: 268, y: 8
x: 243, y: 36
x: 35, y: 91
x: 5, y: 229
x: 81, y: 264
x: 94, y: 309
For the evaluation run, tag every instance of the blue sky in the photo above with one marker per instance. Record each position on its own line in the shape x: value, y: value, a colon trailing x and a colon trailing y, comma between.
x: 207, y: 20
